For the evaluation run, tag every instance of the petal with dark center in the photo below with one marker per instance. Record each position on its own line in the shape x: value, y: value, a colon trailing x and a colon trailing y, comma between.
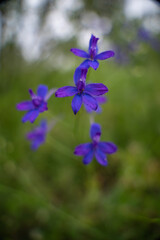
x: 76, y: 103
x: 107, y: 147
x: 105, y: 55
x: 30, y: 116
x: 88, y: 157
x: 82, y: 149
x: 95, y: 130
x: 101, y: 157
x: 66, y: 91
x: 79, y: 53
x: 90, y: 101
x: 94, y: 64
x: 42, y: 90
x: 96, y: 89
x: 25, y: 106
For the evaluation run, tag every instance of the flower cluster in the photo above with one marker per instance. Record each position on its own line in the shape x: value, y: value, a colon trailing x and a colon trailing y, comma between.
x: 91, y: 95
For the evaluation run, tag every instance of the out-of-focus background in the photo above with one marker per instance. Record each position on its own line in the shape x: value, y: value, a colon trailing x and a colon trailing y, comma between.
x: 49, y: 194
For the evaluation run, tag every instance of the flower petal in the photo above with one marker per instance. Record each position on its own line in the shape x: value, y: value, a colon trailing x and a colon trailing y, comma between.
x: 101, y: 157
x: 42, y: 90
x: 80, y: 74
x: 90, y: 101
x: 93, y: 44
x: 25, y: 106
x: 76, y: 103
x: 66, y: 91
x: 96, y: 89
x: 88, y: 157
x: 35, y: 144
x: 85, y: 64
x: 101, y: 99
x: 95, y: 130
x: 107, y: 147
x: 43, y: 107
x: 82, y: 149
x: 79, y: 53
x: 105, y: 55
x: 94, y: 64
x: 30, y: 116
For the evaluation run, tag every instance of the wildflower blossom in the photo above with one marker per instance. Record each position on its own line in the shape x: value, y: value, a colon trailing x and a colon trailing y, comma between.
x: 96, y: 148
x: 92, y: 55
x: 82, y: 92
x: 38, y: 135
x: 37, y: 105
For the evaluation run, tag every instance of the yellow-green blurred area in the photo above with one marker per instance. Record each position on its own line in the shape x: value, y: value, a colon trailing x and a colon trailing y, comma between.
x: 49, y: 194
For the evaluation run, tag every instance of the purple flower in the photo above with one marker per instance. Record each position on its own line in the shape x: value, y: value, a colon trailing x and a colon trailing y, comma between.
x: 96, y: 148
x: 92, y: 55
x: 100, y: 100
x: 38, y: 135
x: 37, y: 105
x: 82, y: 93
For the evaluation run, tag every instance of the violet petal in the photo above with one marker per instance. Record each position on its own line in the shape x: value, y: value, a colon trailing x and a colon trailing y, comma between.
x: 88, y: 157
x: 42, y: 91
x: 82, y: 149
x: 76, y: 103
x: 101, y: 157
x: 105, y: 55
x: 25, y: 106
x: 90, y: 101
x: 66, y: 91
x: 96, y: 89
x: 79, y: 53
x: 95, y: 130
x: 107, y: 147
x: 30, y: 116
x: 94, y: 64
x: 43, y: 107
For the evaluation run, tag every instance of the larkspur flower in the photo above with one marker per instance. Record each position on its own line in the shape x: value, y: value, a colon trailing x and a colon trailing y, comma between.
x: 100, y: 100
x: 37, y: 105
x: 92, y: 55
x: 82, y: 92
x: 96, y: 148
x: 38, y: 135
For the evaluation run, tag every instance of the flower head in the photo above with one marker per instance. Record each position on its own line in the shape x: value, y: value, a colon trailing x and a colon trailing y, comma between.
x: 92, y: 55
x: 96, y: 148
x: 38, y: 135
x: 36, y: 105
x: 82, y: 92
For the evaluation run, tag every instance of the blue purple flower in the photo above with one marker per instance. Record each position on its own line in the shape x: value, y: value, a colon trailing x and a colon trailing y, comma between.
x: 38, y: 135
x: 96, y: 148
x: 82, y: 92
x: 92, y: 55
x: 36, y: 105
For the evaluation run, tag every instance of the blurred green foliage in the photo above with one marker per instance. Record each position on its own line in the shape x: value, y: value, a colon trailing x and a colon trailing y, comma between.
x: 50, y: 194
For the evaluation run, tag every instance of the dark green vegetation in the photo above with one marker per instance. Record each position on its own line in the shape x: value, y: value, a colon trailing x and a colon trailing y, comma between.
x: 50, y: 194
